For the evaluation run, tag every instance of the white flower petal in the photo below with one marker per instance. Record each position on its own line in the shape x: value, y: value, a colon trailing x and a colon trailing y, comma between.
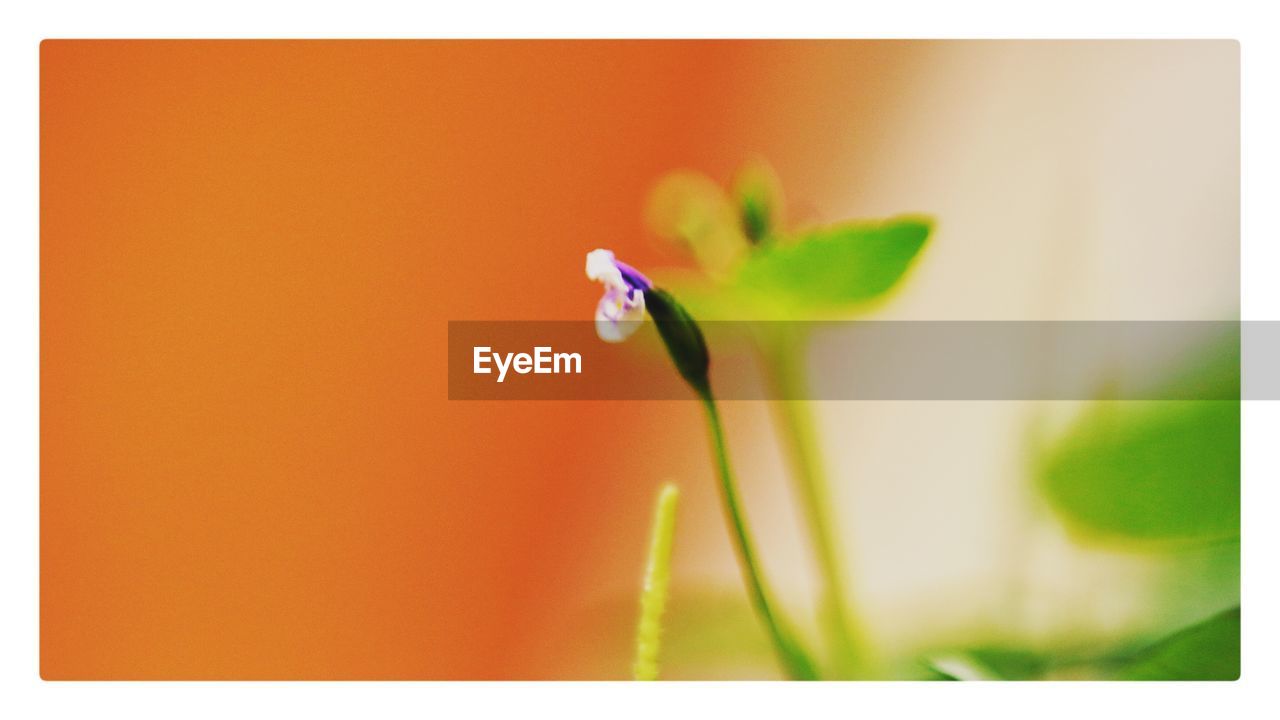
x: 601, y: 267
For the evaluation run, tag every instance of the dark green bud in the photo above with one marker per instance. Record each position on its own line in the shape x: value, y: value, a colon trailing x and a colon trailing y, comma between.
x: 755, y: 219
x: 683, y: 338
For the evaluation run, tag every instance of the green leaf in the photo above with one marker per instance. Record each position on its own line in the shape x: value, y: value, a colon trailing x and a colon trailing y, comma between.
x: 1207, y: 651
x: 1011, y: 663
x: 988, y: 663
x: 1151, y: 471
x: 835, y: 267
x: 694, y: 212
x: 1166, y: 471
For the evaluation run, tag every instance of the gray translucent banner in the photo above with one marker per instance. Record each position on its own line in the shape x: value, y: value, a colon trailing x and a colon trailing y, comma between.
x: 876, y: 360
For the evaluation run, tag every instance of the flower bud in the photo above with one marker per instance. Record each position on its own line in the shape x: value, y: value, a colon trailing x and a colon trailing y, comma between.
x: 683, y: 338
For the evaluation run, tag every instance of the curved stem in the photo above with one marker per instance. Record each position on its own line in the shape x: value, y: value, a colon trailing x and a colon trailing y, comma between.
x: 796, y: 420
x: 793, y: 658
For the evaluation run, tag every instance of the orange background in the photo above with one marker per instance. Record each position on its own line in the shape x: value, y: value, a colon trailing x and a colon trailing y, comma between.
x: 249, y: 253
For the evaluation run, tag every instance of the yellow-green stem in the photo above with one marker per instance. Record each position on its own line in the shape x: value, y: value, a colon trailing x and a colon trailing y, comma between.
x: 657, y: 574
x: 783, y: 363
x: 795, y: 661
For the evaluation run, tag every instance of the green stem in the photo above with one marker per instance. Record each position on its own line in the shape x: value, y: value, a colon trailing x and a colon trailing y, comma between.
x: 793, y: 658
x: 657, y: 575
x: 799, y: 435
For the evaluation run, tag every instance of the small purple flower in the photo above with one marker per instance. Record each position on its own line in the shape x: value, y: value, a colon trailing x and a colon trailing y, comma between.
x: 621, y: 309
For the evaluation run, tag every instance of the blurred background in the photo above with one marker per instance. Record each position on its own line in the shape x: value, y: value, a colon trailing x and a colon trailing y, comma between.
x: 250, y: 250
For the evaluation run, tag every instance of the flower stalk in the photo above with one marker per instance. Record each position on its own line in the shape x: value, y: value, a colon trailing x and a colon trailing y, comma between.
x: 628, y: 295
x: 791, y: 655
x: 837, y: 614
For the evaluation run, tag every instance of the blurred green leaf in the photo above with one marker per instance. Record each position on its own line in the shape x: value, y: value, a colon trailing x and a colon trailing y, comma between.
x: 1151, y: 470
x: 693, y: 211
x: 1207, y: 651
x: 1154, y: 470
x: 835, y: 267
x: 988, y: 663
x: 1011, y: 663
x: 927, y: 670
